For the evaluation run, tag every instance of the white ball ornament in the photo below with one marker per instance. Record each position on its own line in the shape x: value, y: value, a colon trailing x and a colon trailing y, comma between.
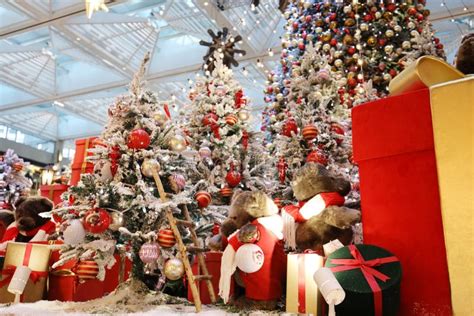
x: 103, y: 171
x: 319, y: 29
x: 388, y: 49
x: 378, y: 15
x: 389, y: 33
x: 75, y: 233
x: 364, y: 26
x: 338, y: 63
x: 249, y: 258
x: 279, y: 96
x: 411, y: 25
x: 397, y: 28
x: 326, y: 47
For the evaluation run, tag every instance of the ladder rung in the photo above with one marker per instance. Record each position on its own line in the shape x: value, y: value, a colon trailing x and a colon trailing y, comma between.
x: 184, y: 223
x: 196, y: 249
x: 202, y: 277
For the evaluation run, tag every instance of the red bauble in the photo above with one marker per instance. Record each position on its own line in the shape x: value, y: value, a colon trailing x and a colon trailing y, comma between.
x: 412, y: 11
x: 166, y: 238
x: 295, y: 25
x: 226, y: 192
x: 96, y: 221
x: 439, y: 46
x: 209, y: 119
x: 138, y: 139
x: 233, y: 178
x: 436, y: 40
x: 216, y: 229
x: 308, y: 18
x: 367, y: 18
x: 339, y: 130
x: 420, y: 17
x: 332, y: 16
x: 333, y: 42
x: 391, y: 7
x: 269, y: 89
x: 352, y: 82
x: 301, y: 46
x: 231, y: 119
x: 392, y: 72
x: 317, y: 156
x: 113, y: 168
x: 382, y: 42
x: 114, y: 153
x: 309, y: 132
x: 203, y: 199
x: 87, y: 270
x: 351, y: 50
x: 289, y: 127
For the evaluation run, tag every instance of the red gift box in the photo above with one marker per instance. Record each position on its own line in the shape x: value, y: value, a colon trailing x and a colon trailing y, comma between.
x: 64, y: 285
x: 394, y: 148
x: 53, y: 192
x: 213, y: 263
x: 80, y: 165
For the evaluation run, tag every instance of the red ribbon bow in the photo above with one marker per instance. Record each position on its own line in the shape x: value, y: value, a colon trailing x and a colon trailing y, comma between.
x: 367, y: 268
x: 9, y: 270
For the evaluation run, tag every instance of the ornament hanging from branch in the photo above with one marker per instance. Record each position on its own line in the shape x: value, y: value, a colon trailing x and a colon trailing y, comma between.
x: 224, y: 43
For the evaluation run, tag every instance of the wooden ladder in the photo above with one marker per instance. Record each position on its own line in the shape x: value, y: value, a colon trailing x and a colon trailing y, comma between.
x: 183, y: 250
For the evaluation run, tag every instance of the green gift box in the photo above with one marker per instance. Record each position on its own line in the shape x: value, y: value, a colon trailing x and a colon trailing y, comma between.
x: 370, y: 276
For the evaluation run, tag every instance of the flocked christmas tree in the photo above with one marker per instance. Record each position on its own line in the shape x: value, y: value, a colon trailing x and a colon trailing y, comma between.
x: 231, y: 156
x: 119, y: 206
x: 13, y: 182
x: 359, y: 46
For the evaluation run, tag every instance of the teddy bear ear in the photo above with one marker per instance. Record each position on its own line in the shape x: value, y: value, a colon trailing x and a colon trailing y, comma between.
x: 18, y: 202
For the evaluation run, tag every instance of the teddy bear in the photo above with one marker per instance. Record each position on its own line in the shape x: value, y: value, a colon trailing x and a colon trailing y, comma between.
x: 320, y: 215
x: 465, y: 55
x: 29, y: 225
x: 254, y: 254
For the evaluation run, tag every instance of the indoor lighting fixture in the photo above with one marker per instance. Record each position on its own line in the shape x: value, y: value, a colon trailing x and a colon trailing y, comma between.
x: 95, y: 5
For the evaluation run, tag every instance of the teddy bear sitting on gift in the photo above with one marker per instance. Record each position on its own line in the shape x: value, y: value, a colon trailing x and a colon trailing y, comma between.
x: 320, y: 215
x: 29, y: 225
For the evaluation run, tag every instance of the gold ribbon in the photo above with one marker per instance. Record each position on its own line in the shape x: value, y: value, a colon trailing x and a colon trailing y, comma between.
x: 84, y: 162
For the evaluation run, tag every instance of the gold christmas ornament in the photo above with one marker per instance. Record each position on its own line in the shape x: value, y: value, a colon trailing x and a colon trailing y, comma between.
x: 149, y: 166
x: 174, y: 269
x: 177, y: 143
x: 160, y: 118
x: 117, y: 221
x: 371, y: 41
x: 244, y: 115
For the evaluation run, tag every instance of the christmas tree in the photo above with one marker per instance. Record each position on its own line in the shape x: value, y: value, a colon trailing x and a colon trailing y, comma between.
x: 13, y: 181
x: 359, y: 46
x: 231, y: 156
x: 121, y: 205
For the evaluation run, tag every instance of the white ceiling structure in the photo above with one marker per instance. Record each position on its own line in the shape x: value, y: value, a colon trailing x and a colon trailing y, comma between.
x: 59, y: 71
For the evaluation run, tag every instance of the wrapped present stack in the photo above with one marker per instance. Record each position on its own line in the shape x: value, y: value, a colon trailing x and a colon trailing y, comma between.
x: 414, y: 151
x: 80, y: 164
x: 53, y: 192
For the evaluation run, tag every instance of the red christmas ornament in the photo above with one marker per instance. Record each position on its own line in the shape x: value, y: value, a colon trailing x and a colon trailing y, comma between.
x: 351, y: 50
x: 420, y: 17
x: 392, y: 72
x: 233, y: 177
x: 138, y: 139
x: 295, y: 25
x: 269, y: 89
x: 382, y: 42
x: 439, y: 46
x: 114, y: 153
x: 203, y: 199
x: 391, y: 7
x: 333, y: 42
x: 216, y: 229
x: 209, y: 119
x: 301, y: 46
x: 282, y: 166
x: 412, y: 11
x: 226, y: 192
x: 231, y: 119
x: 317, y: 156
x: 339, y: 130
x: 96, y: 221
x: 308, y: 18
x: 87, y: 270
x: 215, y: 130
x: 332, y: 16
x: 289, y: 127
x: 238, y: 99
x: 309, y: 132
x: 113, y: 167
x: 352, y: 82
x: 166, y: 238
x: 436, y: 40
x: 367, y: 18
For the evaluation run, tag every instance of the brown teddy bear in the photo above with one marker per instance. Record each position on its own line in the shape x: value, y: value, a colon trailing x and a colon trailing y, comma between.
x: 29, y: 225
x: 465, y: 55
x: 255, y: 251
x: 320, y: 216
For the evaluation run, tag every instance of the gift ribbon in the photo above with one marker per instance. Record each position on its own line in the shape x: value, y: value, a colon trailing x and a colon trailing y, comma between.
x: 370, y: 274
x: 84, y: 162
x: 302, y: 280
x: 9, y: 270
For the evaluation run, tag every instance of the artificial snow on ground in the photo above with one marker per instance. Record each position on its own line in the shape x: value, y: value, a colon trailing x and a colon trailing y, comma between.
x: 131, y: 298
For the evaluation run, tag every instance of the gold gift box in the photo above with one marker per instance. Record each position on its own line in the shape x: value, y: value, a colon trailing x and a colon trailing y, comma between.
x: 39, y: 261
x: 297, y: 269
x: 452, y: 103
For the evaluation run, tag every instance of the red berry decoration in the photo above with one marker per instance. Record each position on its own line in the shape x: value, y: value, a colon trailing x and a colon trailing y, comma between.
x: 138, y: 139
x: 339, y: 130
x: 210, y: 119
x: 96, y: 221
x: 166, y: 238
x: 231, y: 119
x: 233, y: 177
x: 309, y: 132
x: 87, y: 270
x: 203, y: 199
x: 226, y: 192
x: 289, y: 127
x: 317, y: 156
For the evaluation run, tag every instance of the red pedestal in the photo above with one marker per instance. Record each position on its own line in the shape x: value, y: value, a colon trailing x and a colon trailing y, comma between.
x: 53, y: 192
x: 393, y: 146
x: 213, y: 262
x: 79, y: 164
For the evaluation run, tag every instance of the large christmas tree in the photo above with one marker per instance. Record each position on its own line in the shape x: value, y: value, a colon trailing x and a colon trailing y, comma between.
x: 120, y: 206
x: 231, y: 156
x: 337, y: 54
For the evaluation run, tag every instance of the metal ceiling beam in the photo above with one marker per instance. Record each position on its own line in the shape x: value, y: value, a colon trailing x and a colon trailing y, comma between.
x: 60, y: 15
x: 158, y: 77
x: 455, y: 13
